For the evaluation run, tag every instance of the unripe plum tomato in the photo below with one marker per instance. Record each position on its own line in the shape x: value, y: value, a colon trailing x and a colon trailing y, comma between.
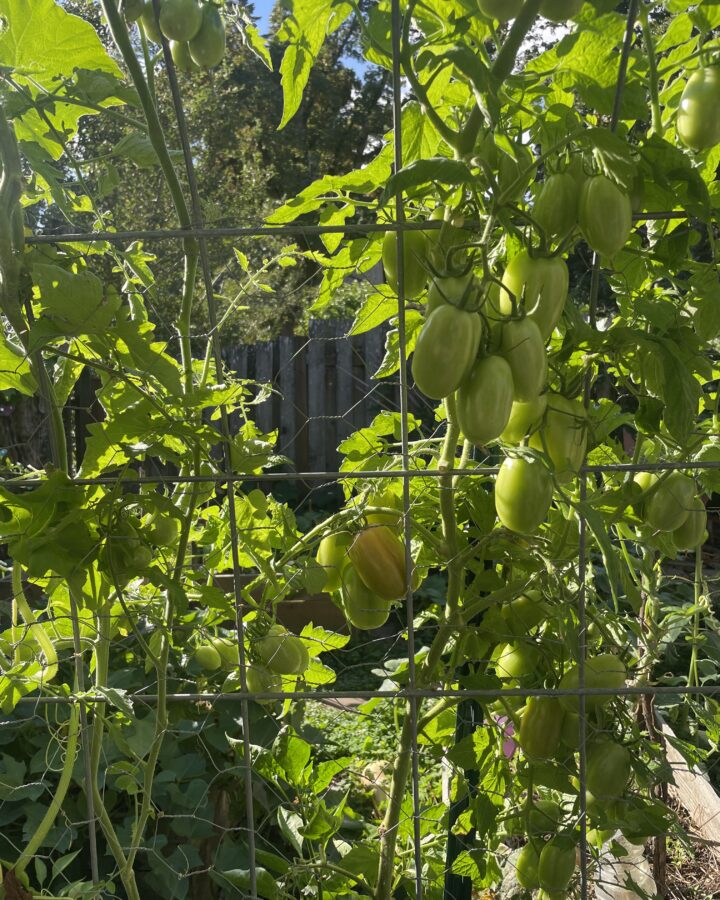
x: 444, y: 244
x: 332, y: 556
x: 544, y: 816
x: 261, y: 680
x: 180, y: 51
x: 669, y: 507
x: 378, y: 555
x: 692, y: 533
x: 557, y: 864
x: 207, y: 48
x: 180, y: 20
x: 484, y: 400
x: 229, y: 652
x: 525, y: 417
x: 698, y: 117
x: 605, y: 215
x: 282, y: 652
x: 570, y: 734
x: 608, y: 769
x: 163, y: 530
x: 603, y: 671
x: 540, y: 283
x: 556, y: 208
x: 149, y: 23
x: 541, y: 727
x: 446, y: 349
x: 449, y: 289
x: 527, y: 866
x: 523, y: 493
x: 363, y: 609
x: 133, y: 9
x: 415, y: 250
x: 522, y: 345
x: 515, y: 660
x: 563, y: 436
x: 501, y: 10
x: 207, y: 657
x: 560, y: 10
x: 644, y: 481
x: 390, y: 500
x: 524, y: 613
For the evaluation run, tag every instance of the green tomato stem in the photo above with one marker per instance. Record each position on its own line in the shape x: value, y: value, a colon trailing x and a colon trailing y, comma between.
x: 657, y: 125
x: 48, y: 820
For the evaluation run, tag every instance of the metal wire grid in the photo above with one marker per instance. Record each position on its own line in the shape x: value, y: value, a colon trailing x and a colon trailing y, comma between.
x: 413, y: 695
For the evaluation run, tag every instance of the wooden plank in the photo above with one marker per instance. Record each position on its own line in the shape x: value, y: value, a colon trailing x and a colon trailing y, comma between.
x: 374, y: 351
x: 316, y: 383
x: 301, y: 458
x: 264, y: 374
x: 696, y: 794
x: 344, y: 387
x: 286, y: 385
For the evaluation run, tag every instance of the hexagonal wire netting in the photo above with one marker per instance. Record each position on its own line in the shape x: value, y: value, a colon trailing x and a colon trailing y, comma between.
x: 468, y: 718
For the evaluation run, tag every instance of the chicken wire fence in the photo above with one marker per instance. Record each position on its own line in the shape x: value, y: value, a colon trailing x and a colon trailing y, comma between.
x: 211, y: 712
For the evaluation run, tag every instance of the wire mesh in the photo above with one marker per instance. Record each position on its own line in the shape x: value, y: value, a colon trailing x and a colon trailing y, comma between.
x: 209, y: 706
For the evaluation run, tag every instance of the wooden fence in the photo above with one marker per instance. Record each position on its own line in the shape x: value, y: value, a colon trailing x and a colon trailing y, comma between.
x: 322, y: 391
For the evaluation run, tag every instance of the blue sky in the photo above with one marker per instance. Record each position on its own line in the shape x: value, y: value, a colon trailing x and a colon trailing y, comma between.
x: 263, y: 8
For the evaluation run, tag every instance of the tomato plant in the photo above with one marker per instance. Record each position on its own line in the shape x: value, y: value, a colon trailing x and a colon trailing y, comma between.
x: 562, y: 443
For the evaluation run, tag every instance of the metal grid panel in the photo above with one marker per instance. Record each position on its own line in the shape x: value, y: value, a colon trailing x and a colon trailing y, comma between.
x: 412, y: 695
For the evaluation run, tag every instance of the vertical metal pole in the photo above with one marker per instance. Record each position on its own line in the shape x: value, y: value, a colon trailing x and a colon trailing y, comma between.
x: 400, y: 218
x: 225, y: 430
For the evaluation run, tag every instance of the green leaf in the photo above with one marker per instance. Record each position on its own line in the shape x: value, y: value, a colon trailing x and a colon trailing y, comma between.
x: 439, y: 169
x: 681, y: 393
x: 292, y: 754
x: 319, y: 640
x: 267, y: 885
x: 326, y: 771
x: 305, y: 30
x: 376, y: 309
x: 73, y: 303
x: 15, y: 369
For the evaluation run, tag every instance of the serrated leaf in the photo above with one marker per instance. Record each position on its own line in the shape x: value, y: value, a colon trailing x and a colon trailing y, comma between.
x: 319, y: 640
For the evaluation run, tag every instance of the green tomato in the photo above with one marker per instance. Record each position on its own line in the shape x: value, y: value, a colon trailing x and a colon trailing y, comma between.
x: 512, y: 172
x: 229, y: 652
x: 363, y: 608
x: 450, y: 289
x: 522, y: 345
x: 557, y: 864
x: 207, y: 657
x: 445, y: 351
x: 282, y: 652
x: 644, y: 481
x: 180, y: 51
x: 540, y: 728
x: 608, y: 769
x: 163, y: 530
x: 544, y: 817
x: 207, y: 47
x: 332, y: 556
x: 563, y: 436
x: 524, y: 613
x: 605, y: 215
x: 445, y: 244
x: 527, y: 866
x: 124, y: 554
x: 501, y: 10
x: 261, y: 680
x: 415, y: 251
x: 387, y: 499
x: 560, y: 10
x: 484, y: 400
x: 603, y: 671
x: 668, y: 508
x: 378, y: 556
x: 525, y: 417
x: 133, y: 9
x: 515, y: 660
x: 539, y: 284
x: 698, y: 117
x: 556, y: 208
x: 523, y: 493
x: 692, y: 533
x: 149, y: 23
x: 180, y: 20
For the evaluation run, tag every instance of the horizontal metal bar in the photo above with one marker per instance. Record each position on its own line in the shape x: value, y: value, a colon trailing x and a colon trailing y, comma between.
x: 418, y: 693
x: 222, y: 477
x: 174, y: 234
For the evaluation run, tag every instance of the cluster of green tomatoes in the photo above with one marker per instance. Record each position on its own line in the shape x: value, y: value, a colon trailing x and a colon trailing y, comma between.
x: 195, y: 30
